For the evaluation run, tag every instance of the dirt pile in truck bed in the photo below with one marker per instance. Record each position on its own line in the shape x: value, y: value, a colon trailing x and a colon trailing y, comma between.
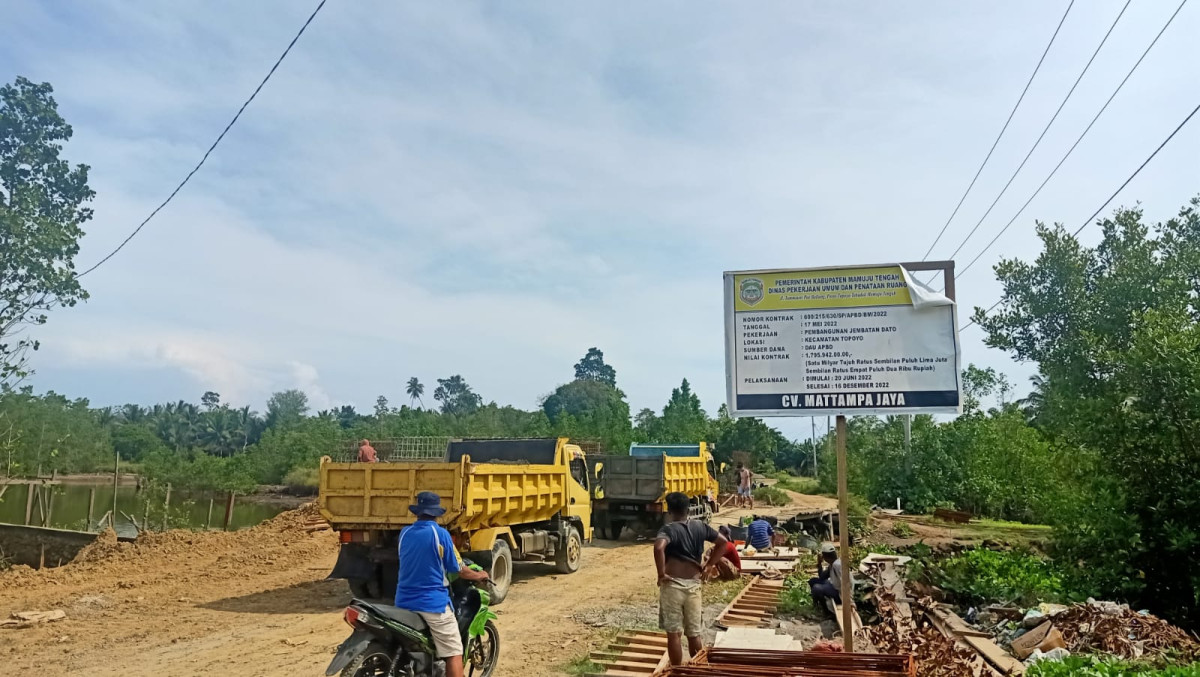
x: 276, y: 542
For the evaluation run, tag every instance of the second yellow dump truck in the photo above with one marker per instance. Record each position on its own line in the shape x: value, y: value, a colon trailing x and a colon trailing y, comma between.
x: 505, y: 500
x: 631, y: 490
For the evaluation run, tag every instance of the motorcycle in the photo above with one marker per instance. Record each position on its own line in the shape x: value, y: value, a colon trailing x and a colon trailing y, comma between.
x: 388, y: 641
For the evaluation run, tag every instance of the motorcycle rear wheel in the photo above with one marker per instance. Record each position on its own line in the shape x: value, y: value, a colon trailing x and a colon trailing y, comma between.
x: 375, y: 661
x: 485, y: 652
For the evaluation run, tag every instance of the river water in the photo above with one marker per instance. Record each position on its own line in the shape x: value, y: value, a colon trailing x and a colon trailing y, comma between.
x: 70, y: 509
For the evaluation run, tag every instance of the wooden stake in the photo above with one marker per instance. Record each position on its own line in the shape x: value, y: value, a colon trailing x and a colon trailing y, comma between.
x: 116, y: 476
x: 29, y: 489
x: 49, y: 507
x: 229, y: 511
x: 166, y: 507
x: 208, y: 524
x: 847, y: 591
x: 146, y: 514
x: 91, y: 507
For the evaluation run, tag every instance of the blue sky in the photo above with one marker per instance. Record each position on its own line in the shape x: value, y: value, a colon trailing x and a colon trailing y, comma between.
x: 491, y: 188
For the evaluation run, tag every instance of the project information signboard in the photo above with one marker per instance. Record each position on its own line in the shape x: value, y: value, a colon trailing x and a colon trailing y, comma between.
x: 826, y: 341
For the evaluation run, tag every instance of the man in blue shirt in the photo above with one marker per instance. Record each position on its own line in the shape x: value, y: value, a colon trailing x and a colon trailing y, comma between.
x: 760, y: 533
x: 427, y: 557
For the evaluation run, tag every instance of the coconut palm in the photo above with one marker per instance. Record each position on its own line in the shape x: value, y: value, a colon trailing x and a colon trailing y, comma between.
x: 415, y: 390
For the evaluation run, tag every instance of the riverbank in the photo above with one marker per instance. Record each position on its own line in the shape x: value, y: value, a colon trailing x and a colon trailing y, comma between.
x: 278, y: 495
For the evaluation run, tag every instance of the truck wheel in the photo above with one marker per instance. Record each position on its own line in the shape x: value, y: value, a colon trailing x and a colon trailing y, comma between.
x: 614, y: 529
x: 568, y: 557
x: 501, y: 570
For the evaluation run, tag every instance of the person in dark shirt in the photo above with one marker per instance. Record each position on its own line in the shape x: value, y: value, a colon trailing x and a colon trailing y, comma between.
x: 678, y: 555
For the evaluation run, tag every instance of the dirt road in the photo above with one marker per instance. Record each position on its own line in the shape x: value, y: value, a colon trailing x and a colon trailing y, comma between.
x: 254, y: 602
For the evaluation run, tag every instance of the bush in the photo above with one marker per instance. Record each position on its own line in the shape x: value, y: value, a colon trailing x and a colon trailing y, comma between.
x: 1080, y: 666
x: 980, y: 576
x: 902, y: 530
x: 796, y: 598
x: 302, y: 478
x: 771, y: 496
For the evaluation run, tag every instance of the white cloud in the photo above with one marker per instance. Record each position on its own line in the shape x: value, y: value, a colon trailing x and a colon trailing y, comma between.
x: 489, y: 190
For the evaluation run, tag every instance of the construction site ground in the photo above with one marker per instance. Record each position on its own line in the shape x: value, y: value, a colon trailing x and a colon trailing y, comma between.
x: 255, y: 602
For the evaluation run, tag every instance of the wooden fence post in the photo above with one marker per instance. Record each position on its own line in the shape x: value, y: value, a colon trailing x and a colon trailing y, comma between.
x: 91, y: 507
x: 166, y: 507
x: 29, y: 489
x: 208, y: 524
x: 146, y: 515
x: 49, y: 508
x: 229, y: 511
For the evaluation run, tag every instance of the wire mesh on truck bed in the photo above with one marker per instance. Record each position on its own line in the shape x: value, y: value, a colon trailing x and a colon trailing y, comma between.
x: 428, y: 448
x: 397, y: 449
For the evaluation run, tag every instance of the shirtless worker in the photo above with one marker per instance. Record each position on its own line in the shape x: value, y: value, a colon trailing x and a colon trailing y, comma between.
x: 678, y: 554
x: 745, y: 497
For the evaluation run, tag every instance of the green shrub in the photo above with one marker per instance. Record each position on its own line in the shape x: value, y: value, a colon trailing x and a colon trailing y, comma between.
x: 796, y: 598
x: 303, y: 477
x: 771, y: 496
x: 1080, y: 666
x: 1016, y: 576
x: 902, y: 530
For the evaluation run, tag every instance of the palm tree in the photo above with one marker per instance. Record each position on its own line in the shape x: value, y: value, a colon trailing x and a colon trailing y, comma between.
x: 415, y: 390
x: 1034, y: 404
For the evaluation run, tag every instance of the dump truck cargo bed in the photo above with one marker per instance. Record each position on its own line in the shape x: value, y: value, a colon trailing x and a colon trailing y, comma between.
x: 475, y: 495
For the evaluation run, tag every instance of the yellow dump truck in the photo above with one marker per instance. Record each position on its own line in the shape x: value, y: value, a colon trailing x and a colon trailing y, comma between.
x: 505, y: 500
x: 631, y: 490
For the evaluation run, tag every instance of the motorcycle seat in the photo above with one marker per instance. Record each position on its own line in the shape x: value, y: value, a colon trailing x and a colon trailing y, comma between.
x: 409, y: 618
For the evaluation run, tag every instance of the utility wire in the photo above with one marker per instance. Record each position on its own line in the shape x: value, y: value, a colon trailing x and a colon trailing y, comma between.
x: 210, y: 148
x: 1001, y: 134
x: 1112, y: 197
x: 1070, y: 150
x: 1046, y: 129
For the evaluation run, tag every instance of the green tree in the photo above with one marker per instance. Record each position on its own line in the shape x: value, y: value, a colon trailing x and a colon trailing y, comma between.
x: 593, y: 368
x: 210, y: 400
x: 1113, y: 330
x: 456, y: 396
x: 381, y: 406
x: 683, y: 419
x: 286, y: 408
x: 591, y: 409
x: 415, y: 389
x: 41, y: 214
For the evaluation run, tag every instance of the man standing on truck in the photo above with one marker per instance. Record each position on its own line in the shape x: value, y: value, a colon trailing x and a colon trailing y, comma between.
x: 678, y: 551
x: 427, y: 557
x: 745, y: 499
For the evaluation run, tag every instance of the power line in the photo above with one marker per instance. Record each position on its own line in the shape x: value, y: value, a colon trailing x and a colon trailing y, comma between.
x: 1001, y: 134
x: 212, y: 147
x: 1116, y: 192
x: 1070, y: 150
x: 1046, y: 129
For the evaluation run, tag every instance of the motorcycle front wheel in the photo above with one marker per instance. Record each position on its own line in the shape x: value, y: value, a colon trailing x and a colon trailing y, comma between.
x: 485, y: 652
x: 375, y: 661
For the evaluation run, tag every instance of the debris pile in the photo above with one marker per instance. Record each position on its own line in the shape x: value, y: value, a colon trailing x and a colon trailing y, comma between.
x: 1105, y: 627
x: 936, y: 654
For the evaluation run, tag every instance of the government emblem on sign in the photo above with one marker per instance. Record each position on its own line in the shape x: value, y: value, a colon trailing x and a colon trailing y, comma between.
x: 751, y: 291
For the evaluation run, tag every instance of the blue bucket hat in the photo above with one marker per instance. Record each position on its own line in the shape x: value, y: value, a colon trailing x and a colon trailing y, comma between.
x: 428, y: 504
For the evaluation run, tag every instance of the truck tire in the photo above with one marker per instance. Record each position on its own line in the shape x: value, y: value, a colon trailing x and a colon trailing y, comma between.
x: 614, y: 529
x: 500, y: 570
x: 569, y: 556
